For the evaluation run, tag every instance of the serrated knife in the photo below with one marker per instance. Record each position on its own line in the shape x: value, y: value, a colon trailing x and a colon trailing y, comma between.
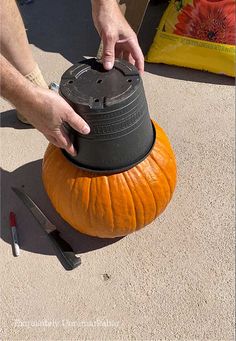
x: 64, y: 251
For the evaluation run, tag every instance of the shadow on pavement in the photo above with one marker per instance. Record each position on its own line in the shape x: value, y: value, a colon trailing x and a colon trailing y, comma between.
x: 186, y: 74
x: 66, y: 27
x: 31, y: 237
x: 61, y: 26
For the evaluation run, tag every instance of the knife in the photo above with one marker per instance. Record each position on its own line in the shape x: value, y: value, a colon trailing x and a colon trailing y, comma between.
x: 64, y: 251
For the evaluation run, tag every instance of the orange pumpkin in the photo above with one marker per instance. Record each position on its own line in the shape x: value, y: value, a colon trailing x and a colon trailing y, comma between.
x: 116, y: 204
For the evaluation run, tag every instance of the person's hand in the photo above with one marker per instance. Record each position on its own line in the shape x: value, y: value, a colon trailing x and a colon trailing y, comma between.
x: 48, y: 112
x: 119, y: 40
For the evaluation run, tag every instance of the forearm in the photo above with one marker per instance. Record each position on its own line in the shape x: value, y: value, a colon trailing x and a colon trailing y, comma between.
x: 101, y: 8
x: 106, y: 3
x: 13, y: 86
x: 118, y: 38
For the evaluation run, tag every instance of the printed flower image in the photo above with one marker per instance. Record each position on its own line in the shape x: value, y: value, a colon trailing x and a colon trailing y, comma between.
x: 210, y: 20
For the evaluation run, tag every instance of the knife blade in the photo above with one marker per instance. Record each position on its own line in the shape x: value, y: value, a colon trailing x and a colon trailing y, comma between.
x: 64, y: 251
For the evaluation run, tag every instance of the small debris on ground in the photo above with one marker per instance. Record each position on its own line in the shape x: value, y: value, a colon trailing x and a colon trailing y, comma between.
x: 106, y: 277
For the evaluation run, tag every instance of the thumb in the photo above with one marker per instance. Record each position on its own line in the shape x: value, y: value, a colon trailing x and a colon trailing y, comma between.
x: 108, y: 56
x: 76, y: 122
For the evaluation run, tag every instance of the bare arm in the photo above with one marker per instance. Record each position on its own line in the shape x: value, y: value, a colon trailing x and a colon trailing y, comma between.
x: 14, y: 87
x: 119, y: 40
x: 44, y: 109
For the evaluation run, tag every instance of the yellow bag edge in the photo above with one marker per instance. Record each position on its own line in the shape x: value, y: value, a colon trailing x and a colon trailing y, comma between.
x: 230, y: 70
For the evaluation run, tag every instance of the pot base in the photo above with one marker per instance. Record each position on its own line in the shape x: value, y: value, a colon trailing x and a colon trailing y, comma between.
x: 110, y: 171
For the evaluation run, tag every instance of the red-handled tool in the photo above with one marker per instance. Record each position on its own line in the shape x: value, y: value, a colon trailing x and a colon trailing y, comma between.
x: 15, y: 242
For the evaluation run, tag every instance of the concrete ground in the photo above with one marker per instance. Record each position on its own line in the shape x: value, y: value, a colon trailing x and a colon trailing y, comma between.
x: 174, y: 279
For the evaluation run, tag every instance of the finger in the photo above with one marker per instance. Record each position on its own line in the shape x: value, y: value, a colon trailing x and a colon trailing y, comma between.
x: 52, y: 140
x: 61, y: 140
x: 68, y: 145
x: 76, y: 122
x: 131, y: 59
x: 127, y: 56
x: 118, y: 52
x: 108, y: 56
x: 137, y: 55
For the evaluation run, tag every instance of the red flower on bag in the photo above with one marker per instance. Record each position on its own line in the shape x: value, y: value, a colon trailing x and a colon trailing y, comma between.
x: 210, y: 20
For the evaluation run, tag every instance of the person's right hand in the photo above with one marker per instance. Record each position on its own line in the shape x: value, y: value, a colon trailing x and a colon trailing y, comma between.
x: 47, y: 112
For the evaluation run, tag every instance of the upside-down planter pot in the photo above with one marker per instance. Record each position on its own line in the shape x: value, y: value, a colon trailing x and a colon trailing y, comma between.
x: 124, y: 174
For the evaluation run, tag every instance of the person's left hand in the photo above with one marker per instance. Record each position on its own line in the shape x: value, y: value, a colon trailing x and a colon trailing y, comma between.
x: 119, y: 40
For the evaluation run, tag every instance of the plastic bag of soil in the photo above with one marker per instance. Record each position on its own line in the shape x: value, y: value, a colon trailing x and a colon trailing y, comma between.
x: 199, y: 34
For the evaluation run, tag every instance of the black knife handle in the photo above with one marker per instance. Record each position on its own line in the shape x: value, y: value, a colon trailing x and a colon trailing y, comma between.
x: 64, y: 251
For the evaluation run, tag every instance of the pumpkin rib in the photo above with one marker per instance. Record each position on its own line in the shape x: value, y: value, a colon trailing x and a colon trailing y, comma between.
x: 140, y: 198
x: 112, y: 213
x: 134, y: 208
x: 162, y: 146
x: 163, y: 173
x: 172, y: 166
x: 56, y: 188
x: 73, y: 201
x: 143, y: 174
x: 83, y: 207
x: 95, y: 190
x: 168, y: 197
x: 88, y: 196
x: 163, y: 196
x: 126, y: 204
x: 162, y: 141
x: 161, y: 133
x: 159, y: 148
x: 103, y: 194
x: 127, y: 174
x: 130, y: 173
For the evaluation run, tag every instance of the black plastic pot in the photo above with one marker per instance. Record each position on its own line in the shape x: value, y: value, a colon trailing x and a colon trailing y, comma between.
x: 113, y: 104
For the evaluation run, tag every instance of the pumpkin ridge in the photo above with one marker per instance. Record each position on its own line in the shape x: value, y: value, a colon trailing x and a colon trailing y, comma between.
x: 136, y: 216
x: 165, y: 195
x: 90, y: 196
x: 162, y: 146
x: 137, y: 193
x: 172, y: 165
x: 143, y: 174
x: 55, y: 188
x: 136, y: 169
x: 73, y: 201
x: 167, y: 182
x: 162, y: 141
x: 89, y: 191
x: 164, y: 175
x: 124, y: 175
x: 102, y: 200
x: 112, y: 213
